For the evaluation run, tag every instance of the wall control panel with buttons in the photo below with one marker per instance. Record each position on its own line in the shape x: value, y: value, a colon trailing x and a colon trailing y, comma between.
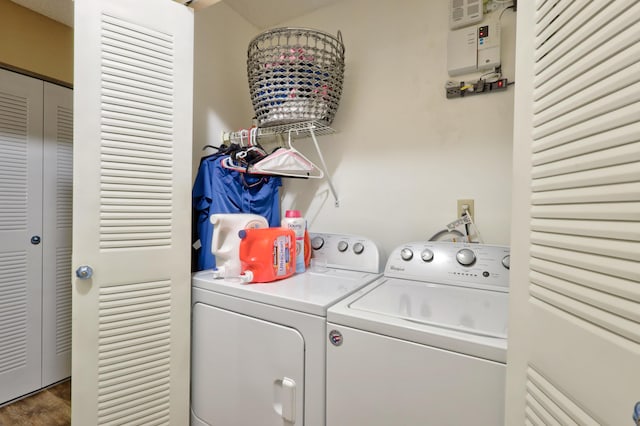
x: 474, y: 48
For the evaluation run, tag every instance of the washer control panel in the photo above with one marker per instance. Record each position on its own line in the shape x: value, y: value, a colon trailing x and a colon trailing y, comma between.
x: 345, y: 251
x: 476, y: 265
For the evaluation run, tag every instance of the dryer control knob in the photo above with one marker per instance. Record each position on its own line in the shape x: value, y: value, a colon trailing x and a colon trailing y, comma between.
x: 358, y: 248
x: 317, y: 243
x: 506, y: 261
x: 426, y: 255
x: 343, y: 246
x: 406, y: 254
x: 466, y: 257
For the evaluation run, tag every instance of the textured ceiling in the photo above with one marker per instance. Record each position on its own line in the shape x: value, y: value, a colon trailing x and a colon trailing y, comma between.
x: 265, y: 14
x: 261, y: 13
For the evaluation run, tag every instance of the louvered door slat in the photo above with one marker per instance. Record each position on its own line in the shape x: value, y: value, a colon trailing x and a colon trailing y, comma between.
x: 549, y: 38
x: 628, y: 153
x: 542, y: 11
x: 619, y: 75
x: 614, y: 211
x: 599, y: 229
x: 559, y: 399
x: 594, y: 104
x: 120, y: 93
x: 591, y: 262
x: 614, y: 174
x: 604, y: 194
x: 550, y: 25
x: 599, y: 35
x: 615, y: 306
x: 624, y: 116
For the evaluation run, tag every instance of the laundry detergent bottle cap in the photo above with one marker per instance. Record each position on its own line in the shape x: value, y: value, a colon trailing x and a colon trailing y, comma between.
x: 292, y: 213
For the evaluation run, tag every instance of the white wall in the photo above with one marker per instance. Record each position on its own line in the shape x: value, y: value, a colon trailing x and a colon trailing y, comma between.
x: 403, y: 153
x: 221, y: 94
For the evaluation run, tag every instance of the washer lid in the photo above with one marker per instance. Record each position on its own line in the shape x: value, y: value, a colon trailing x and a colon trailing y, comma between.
x: 463, y: 309
x: 309, y: 292
x: 460, y: 319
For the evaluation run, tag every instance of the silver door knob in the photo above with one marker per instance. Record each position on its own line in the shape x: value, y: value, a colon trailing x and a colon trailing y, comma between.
x: 84, y: 272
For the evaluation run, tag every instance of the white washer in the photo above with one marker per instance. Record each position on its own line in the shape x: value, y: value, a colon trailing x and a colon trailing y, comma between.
x: 426, y: 343
x: 258, y: 350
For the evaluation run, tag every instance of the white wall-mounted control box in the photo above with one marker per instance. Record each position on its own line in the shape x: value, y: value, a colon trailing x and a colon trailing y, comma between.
x: 464, y: 12
x: 474, y: 48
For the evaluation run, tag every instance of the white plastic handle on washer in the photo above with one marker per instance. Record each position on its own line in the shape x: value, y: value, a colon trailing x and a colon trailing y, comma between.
x: 288, y: 400
x: 286, y: 407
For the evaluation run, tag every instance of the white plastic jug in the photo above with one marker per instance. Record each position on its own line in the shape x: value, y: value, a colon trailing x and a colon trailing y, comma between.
x: 225, y: 242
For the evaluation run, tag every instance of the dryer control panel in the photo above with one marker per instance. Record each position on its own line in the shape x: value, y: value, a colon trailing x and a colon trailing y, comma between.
x: 471, y: 265
x: 345, y: 251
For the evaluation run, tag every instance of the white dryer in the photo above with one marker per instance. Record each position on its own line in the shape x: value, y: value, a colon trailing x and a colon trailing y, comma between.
x: 258, y: 350
x: 426, y: 343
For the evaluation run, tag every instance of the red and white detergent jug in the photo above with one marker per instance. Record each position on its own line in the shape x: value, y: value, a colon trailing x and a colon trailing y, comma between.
x: 267, y: 254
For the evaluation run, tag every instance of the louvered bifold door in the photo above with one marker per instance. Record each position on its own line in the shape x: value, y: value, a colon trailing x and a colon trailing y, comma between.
x: 131, y: 212
x: 20, y: 220
x: 574, y: 335
x: 56, y: 242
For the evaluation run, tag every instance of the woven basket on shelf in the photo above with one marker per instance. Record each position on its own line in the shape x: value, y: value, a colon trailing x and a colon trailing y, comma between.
x: 295, y: 74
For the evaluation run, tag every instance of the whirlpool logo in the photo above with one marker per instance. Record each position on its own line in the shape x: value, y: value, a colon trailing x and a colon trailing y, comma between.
x: 335, y: 337
x: 396, y: 268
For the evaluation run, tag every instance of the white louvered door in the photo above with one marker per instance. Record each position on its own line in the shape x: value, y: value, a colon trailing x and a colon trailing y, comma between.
x: 574, y: 333
x: 20, y: 219
x: 131, y: 212
x: 56, y: 224
x: 35, y: 201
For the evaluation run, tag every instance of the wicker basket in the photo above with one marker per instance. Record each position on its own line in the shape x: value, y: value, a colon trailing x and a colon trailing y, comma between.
x: 295, y: 74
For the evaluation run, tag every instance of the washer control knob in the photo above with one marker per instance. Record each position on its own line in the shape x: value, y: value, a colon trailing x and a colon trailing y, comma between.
x: 426, y: 255
x: 506, y: 261
x: 466, y: 257
x: 317, y: 243
x: 343, y: 246
x: 358, y: 248
x: 406, y: 254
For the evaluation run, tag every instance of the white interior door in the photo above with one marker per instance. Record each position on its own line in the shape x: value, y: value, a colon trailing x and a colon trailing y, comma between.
x: 20, y: 220
x: 56, y: 242
x: 131, y: 212
x: 574, y: 327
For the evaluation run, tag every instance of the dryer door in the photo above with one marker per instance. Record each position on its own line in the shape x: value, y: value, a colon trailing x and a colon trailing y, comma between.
x: 245, y: 371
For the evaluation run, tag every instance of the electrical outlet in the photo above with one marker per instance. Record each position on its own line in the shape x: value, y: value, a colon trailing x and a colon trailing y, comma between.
x: 469, y: 203
x: 453, y: 92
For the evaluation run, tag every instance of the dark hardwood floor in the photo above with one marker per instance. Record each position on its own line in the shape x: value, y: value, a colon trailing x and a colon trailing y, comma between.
x: 49, y: 407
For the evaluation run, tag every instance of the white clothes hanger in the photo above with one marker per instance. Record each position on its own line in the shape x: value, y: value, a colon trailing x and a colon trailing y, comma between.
x: 243, y: 132
x: 253, y: 136
x: 287, y: 162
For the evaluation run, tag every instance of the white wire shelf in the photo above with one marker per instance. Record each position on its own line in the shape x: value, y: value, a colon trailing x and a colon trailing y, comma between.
x: 298, y: 130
